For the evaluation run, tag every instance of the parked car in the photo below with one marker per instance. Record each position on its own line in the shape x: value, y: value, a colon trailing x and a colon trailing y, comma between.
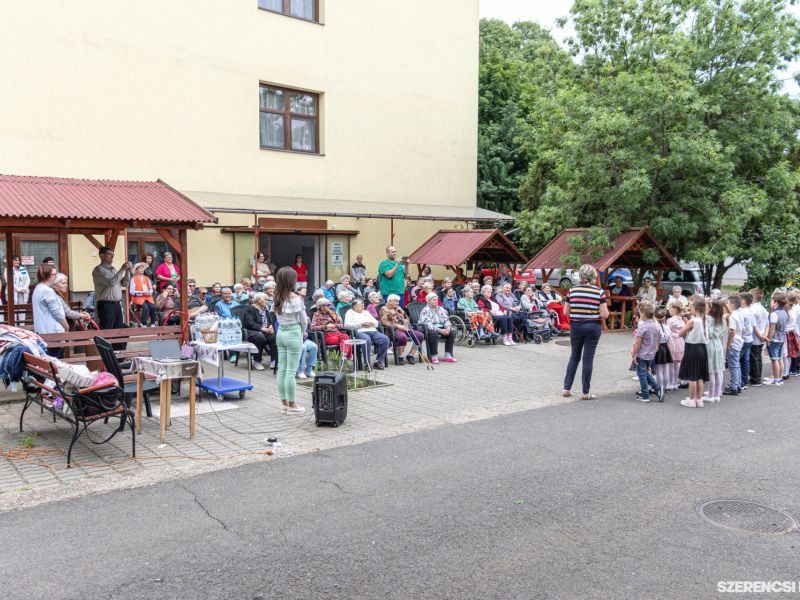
x: 690, y: 281
x: 562, y: 278
x: 519, y: 275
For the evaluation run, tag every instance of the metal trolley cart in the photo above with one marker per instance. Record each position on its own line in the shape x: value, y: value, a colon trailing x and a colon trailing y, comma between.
x: 220, y: 385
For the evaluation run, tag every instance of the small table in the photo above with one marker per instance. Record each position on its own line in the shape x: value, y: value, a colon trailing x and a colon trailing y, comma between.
x: 164, y: 372
x: 356, y: 344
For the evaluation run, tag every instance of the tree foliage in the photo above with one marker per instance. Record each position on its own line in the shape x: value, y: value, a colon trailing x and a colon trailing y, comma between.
x: 669, y: 114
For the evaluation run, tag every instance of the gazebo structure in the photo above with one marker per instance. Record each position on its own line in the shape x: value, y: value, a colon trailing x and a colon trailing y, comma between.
x: 452, y: 248
x: 95, y: 208
x: 626, y: 251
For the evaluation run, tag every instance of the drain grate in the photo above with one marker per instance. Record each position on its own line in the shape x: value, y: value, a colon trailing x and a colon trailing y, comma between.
x: 562, y: 342
x: 747, y: 516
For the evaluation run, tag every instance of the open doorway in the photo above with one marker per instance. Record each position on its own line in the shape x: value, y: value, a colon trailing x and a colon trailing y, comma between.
x: 281, y: 248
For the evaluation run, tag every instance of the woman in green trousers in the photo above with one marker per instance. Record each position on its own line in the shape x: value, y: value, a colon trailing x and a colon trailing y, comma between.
x: 292, y: 322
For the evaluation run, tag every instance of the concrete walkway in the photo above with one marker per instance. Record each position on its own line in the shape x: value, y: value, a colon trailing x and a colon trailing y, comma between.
x: 487, y: 382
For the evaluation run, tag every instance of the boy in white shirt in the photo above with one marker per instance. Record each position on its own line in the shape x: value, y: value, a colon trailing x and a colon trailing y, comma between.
x: 746, y: 317
x: 733, y: 347
x: 760, y: 325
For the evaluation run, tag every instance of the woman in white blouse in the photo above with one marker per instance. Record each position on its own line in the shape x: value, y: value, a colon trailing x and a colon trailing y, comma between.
x: 366, y: 327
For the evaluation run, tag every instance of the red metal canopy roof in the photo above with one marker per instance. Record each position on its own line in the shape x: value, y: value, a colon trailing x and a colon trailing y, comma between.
x: 625, y: 251
x: 456, y: 247
x: 97, y: 199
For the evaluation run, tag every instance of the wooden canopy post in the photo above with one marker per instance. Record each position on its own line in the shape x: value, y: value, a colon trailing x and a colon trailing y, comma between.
x: 184, y: 284
x: 63, y: 253
x: 10, y: 280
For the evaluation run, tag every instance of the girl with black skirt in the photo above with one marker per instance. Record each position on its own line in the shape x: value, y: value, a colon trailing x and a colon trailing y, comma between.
x: 694, y: 366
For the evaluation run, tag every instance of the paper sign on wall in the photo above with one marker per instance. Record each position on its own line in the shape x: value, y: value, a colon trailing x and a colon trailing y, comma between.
x: 337, y: 253
x: 27, y: 260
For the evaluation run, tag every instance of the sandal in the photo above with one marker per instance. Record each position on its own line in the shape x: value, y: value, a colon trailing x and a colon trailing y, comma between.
x: 588, y: 397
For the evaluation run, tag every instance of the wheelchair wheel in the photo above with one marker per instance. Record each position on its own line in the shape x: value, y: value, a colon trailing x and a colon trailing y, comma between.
x: 537, y: 339
x: 470, y: 341
x: 459, y: 327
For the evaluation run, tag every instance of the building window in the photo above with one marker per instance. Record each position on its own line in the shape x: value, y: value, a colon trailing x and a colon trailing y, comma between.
x: 302, y: 9
x: 288, y: 119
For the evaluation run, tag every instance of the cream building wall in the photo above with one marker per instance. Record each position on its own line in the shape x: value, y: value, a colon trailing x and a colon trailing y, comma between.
x: 169, y: 90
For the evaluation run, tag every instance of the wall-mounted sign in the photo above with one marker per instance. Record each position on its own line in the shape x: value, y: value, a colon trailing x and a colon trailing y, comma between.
x: 27, y: 260
x: 337, y: 253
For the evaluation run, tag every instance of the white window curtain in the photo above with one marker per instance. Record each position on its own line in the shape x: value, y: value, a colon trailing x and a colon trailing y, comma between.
x: 303, y: 9
x: 276, y: 5
x: 271, y: 126
x: 303, y: 135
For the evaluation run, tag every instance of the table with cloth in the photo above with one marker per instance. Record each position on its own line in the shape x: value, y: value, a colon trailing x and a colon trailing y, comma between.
x: 164, y: 372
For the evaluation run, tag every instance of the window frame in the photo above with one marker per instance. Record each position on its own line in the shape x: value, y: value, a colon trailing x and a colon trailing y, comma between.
x: 287, y: 115
x: 287, y: 11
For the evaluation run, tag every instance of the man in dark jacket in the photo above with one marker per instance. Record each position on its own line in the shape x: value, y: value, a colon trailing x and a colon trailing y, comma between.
x: 259, y: 331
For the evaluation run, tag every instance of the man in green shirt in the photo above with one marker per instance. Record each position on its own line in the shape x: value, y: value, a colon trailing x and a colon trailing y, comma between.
x: 392, y: 275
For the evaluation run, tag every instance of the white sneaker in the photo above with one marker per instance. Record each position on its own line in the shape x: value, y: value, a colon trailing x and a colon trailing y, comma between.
x: 257, y: 366
x: 295, y: 411
x: 688, y: 402
x: 506, y: 342
x: 301, y: 376
x: 513, y: 343
x: 311, y: 373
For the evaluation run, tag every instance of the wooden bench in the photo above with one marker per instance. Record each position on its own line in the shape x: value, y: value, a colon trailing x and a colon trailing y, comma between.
x: 42, y: 386
x: 79, y: 345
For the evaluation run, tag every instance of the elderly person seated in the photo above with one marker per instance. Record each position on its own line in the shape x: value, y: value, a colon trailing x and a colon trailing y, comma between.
x: 407, y: 338
x: 618, y: 288
x: 317, y: 294
x: 502, y: 320
x: 646, y: 291
x: 479, y: 320
x: 677, y: 298
x: 554, y: 302
x: 168, y: 305
x: 328, y: 322
x: 224, y: 306
x: 247, y: 284
x: 61, y: 286
x: 529, y: 302
x: 269, y: 290
x: 369, y: 287
x: 435, y: 322
x: 375, y: 300
x: 417, y: 288
x: 329, y: 290
x: 258, y: 330
x: 521, y: 287
x: 427, y: 288
x: 344, y: 301
x: 509, y: 302
x: 240, y: 294
x: 447, y: 284
x: 141, y: 291
x: 365, y: 326
x: 347, y: 286
x: 308, y: 357
x: 449, y: 301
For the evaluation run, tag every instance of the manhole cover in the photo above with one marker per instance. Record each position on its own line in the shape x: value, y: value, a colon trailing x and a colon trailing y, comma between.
x: 562, y: 342
x: 747, y: 516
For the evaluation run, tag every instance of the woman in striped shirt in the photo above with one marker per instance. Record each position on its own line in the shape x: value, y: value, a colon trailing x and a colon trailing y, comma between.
x: 586, y: 307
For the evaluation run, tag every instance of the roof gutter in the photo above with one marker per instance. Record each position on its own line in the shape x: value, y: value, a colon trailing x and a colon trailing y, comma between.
x: 300, y: 213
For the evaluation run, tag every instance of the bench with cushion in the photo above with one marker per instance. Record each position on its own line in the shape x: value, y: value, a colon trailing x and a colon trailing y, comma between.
x: 79, y: 345
x: 42, y: 386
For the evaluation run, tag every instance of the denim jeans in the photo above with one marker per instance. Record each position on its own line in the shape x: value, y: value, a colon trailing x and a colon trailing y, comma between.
x: 646, y: 379
x: 584, y: 337
x: 307, y: 364
x: 744, y: 362
x: 735, y: 367
x: 381, y: 344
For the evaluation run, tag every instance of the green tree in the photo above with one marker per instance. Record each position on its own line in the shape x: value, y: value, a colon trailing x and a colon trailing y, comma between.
x: 672, y: 117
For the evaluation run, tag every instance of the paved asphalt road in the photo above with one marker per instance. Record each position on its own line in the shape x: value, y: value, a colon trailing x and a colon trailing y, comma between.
x: 583, y: 500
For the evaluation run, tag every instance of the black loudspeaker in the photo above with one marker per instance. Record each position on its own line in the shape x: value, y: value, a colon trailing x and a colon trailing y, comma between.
x: 330, y: 398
